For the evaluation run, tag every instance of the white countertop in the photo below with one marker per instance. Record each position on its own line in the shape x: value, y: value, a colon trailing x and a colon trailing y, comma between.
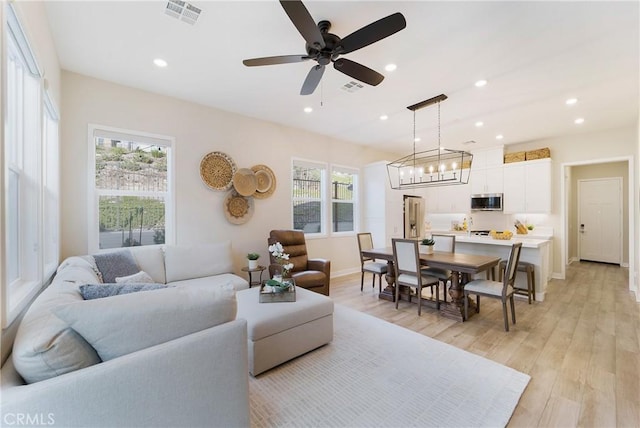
x: 528, y: 242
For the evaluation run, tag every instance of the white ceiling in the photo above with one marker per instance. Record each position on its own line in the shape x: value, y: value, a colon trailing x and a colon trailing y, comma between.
x: 534, y: 55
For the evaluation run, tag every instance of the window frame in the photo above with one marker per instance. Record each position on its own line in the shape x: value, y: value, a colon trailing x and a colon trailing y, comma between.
x: 26, y: 103
x: 324, y: 168
x: 103, y: 131
x: 326, y: 200
x: 355, y: 172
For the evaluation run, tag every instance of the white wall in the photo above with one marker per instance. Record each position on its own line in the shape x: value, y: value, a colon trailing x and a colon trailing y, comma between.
x: 198, y: 130
x: 579, y: 148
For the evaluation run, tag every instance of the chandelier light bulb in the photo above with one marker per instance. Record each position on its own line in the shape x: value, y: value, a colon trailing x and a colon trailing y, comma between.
x: 454, y: 165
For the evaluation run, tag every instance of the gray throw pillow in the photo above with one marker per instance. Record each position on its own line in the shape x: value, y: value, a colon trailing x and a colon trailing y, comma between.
x: 114, y: 264
x: 98, y: 291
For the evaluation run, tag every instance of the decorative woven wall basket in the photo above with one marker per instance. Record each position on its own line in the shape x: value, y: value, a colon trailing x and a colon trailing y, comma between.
x: 515, y: 157
x: 539, y: 154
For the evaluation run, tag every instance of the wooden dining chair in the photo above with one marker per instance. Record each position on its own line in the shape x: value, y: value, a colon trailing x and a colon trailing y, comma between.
x: 367, y: 264
x: 497, y: 290
x: 406, y: 257
x: 447, y: 244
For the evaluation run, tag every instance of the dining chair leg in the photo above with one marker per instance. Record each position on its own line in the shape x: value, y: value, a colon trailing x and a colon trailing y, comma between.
x: 477, y: 304
x: 380, y: 283
x: 513, y: 309
x: 373, y: 280
x: 466, y: 306
x: 397, y: 294
x: 506, y: 316
x: 361, y: 280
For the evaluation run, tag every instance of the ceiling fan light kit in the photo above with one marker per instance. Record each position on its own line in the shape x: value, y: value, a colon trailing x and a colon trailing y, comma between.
x: 325, y: 48
x: 436, y: 167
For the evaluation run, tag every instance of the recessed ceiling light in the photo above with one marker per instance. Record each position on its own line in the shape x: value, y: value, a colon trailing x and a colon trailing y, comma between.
x: 159, y: 62
x: 481, y: 83
x: 308, y: 109
x: 417, y: 139
x: 384, y: 117
x: 499, y: 137
x: 571, y: 101
x: 390, y: 67
x: 479, y: 124
x: 579, y: 121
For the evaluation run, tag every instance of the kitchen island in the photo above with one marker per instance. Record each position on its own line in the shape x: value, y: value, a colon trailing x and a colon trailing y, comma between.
x: 534, y: 250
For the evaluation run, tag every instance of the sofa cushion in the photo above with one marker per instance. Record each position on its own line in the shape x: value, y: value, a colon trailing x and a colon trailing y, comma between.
x: 196, y: 261
x: 231, y: 279
x: 120, y: 325
x: 115, y: 263
x: 98, y: 291
x: 138, y: 277
x: 46, y: 346
x: 150, y: 258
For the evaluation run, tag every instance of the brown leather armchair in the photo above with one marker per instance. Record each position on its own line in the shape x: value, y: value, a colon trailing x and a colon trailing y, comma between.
x: 312, y: 274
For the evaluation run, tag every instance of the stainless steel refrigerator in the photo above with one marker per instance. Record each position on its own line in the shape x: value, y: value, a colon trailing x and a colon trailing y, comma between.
x: 414, y: 211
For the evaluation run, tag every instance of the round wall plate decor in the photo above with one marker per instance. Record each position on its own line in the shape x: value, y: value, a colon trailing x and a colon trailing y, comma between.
x: 265, y: 181
x: 244, y: 181
x: 237, y: 208
x: 216, y: 170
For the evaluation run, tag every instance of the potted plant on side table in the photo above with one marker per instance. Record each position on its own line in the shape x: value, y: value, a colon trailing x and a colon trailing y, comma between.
x: 426, y: 245
x: 253, y: 260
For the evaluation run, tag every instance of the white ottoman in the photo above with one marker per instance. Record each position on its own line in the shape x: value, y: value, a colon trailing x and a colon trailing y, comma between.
x: 278, y: 332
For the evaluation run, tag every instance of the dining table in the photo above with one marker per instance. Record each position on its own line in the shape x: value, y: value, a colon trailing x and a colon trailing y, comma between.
x: 462, y: 267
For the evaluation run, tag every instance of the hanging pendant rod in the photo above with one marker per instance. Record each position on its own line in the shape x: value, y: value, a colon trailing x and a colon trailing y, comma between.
x: 428, y: 102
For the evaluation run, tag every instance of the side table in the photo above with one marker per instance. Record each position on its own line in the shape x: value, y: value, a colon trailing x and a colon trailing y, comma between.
x: 251, y: 272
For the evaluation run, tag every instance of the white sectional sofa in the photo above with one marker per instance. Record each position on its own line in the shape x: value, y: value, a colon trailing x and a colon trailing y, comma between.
x: 174, y: 356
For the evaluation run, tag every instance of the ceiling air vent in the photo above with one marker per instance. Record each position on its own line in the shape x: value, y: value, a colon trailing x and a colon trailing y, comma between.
x: 183, y: 11
x: 352, y: 86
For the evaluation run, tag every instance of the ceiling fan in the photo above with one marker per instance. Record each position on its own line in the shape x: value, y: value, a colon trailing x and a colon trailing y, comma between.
x: 325, y: 48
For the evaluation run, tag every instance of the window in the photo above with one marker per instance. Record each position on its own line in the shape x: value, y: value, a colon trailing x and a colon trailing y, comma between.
x: 308, y: 190
x: 310, y: 183
x: 131, y: 199
x: 343, y: 199
x: 30, y: 170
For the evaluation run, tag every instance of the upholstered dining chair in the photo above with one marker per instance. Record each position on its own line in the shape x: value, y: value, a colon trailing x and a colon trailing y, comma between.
x: 497, y: 290
x: 443, y: 243
x: 367, y: 264
x: 312, y: 274
x: 406, y: 257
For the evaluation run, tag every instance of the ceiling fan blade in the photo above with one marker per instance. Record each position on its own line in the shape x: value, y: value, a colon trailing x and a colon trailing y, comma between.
x: 358, y: 71
x: 312, y: 80
x: 301, y: 18
x: 271, y: 60
x: 372, y: 33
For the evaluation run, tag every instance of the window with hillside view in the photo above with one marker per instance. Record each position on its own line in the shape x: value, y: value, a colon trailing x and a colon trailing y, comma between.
x: 312, y: 188
x: 308, y: 189
x: 132, y: 190
x: 343, y: 199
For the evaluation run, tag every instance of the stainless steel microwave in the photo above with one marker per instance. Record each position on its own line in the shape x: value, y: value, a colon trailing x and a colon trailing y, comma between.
x: 486, y: 202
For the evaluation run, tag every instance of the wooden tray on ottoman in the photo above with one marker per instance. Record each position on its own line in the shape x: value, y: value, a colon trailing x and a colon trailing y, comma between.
x: 280, y: 296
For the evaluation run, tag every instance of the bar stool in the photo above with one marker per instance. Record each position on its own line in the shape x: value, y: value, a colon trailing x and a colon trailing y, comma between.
x: 527, y: 267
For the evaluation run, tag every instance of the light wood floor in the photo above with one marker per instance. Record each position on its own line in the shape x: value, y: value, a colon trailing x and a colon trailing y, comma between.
x: 581, y: 346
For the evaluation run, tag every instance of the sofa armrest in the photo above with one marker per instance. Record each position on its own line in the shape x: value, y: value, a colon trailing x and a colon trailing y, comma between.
x: 322, y: 265
x: 194, y: 381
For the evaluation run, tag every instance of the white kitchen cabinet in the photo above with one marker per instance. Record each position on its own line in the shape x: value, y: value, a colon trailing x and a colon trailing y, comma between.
x: 488, y: 180
x: 486, y: 171
x: 527, y: 187
x: 448, y: 199
x: 488, y: 158
x: 381, y: 206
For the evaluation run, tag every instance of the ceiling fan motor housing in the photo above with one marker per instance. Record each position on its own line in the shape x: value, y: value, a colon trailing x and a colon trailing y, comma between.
x: 327, y: 54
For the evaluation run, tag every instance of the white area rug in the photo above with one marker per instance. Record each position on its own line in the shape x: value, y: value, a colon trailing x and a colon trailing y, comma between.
x: 376, y: 374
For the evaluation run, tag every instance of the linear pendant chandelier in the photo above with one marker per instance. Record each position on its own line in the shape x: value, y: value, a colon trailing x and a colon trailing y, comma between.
x: 436, y: 167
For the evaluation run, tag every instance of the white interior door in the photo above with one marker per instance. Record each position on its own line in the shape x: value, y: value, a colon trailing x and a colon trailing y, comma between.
x: 600, y: 220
